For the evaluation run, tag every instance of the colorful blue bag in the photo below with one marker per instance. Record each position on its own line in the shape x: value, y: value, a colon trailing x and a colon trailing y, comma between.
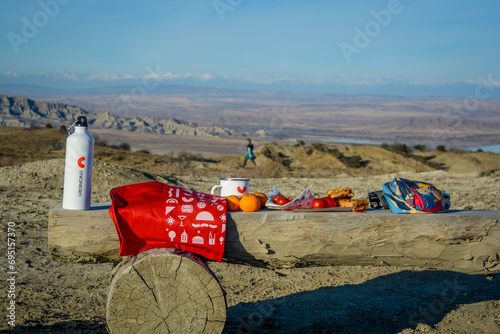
x: 407, y: 196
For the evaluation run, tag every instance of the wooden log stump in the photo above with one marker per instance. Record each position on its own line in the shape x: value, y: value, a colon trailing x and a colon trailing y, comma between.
x: 83, y: 236
x: 466, y: 241
x: 164, y: 291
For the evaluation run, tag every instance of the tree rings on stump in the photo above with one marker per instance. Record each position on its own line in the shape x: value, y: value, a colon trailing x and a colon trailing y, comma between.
x: 165, y: 291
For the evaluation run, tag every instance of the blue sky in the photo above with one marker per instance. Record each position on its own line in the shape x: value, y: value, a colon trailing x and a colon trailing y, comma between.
x: 425, y: 42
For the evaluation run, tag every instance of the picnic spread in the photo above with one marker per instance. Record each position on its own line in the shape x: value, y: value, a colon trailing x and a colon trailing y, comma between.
x: 143, y: 219
x: 156, y: 215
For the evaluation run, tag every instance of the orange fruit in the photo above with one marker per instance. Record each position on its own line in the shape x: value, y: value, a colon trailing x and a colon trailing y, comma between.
x: 262, y: 198
x: 249, y: 203
x: 233, y: 202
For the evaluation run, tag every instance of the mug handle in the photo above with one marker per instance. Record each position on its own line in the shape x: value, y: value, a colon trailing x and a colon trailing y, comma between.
x: 215, y: 187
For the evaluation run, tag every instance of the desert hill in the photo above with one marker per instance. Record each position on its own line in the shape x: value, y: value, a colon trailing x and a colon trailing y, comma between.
x: 318, y: 160
x: 24, y: 112
x: 62, y: 297
x: 19, y: 146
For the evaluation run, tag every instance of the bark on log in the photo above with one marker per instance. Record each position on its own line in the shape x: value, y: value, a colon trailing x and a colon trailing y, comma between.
x: 462, y: 241
x: 164, y: 291
x: 83, y: 236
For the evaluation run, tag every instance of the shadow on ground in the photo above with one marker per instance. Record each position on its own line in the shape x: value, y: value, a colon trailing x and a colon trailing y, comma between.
x: 386, y: 304
x: 73, y: 327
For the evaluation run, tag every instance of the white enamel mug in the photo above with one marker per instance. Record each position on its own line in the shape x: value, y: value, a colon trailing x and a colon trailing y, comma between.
x: 232, y: 186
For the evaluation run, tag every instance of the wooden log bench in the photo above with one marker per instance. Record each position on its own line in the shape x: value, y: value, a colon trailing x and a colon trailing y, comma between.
x: 163, y: 290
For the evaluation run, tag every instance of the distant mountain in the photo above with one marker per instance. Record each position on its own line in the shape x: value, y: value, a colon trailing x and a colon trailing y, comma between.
x: 154, y: 78
x: 24, y: 112
x: 34, y: 91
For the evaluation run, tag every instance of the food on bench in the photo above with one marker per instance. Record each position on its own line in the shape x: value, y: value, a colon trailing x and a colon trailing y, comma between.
x: 356, y: 204
x: 263, y: 199
x: 330, y: 202
x: 318, y: 203
x: 275, y: 198
x: 249, y: 203
x: 345, y: 202
x: 344, y: 198
x: 361, y: 204
x: 233, y: 203
x: 340, y: 193
x: 281, y: 200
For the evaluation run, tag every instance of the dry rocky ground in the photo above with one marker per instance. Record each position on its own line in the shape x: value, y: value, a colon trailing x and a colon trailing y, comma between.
x: 55, y: 297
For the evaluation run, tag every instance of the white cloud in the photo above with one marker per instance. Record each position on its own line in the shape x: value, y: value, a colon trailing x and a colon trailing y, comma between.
x: 127, y: 76
x: 270, y: 81
x: 151, y: 76
x: 207, y: 76
x: 70, y: 76
x: 102, y: 77
x: 360, y: 83
x: 12, y: 74
x: 172, y: 76
x: 484, y: 80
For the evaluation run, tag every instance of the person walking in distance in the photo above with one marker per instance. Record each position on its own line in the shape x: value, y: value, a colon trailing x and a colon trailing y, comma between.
x: 249, y: 155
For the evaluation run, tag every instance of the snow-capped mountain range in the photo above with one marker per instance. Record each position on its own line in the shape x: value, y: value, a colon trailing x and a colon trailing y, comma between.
x: 484, y: 86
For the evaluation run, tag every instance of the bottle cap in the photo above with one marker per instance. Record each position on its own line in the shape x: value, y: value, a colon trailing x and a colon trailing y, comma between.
x: 81, y: 121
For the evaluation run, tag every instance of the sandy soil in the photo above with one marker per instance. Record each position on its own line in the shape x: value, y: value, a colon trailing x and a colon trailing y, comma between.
x: 54, y: 297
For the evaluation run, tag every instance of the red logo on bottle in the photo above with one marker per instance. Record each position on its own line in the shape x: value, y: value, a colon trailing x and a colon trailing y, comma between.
x: 80, y: 162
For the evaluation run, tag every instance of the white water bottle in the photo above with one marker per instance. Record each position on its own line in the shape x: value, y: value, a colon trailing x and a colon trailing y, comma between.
x: 78, y: 167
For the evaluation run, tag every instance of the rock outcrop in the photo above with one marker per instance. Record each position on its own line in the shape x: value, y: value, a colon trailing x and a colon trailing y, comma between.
x: 20, y: 111
x: 23, y: 112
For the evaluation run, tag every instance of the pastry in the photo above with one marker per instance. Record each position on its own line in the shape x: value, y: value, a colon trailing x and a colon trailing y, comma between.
x: 340, y: 193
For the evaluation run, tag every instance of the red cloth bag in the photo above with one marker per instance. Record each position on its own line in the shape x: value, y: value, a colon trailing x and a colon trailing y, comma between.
x: 156, y: 215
